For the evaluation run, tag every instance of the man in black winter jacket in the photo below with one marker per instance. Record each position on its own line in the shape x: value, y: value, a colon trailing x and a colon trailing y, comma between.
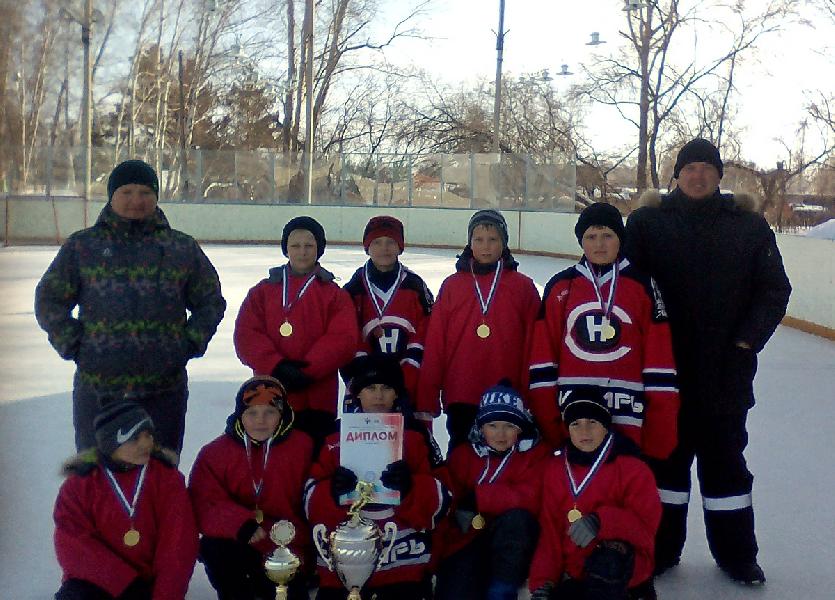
x: 148, y: 301
x: 722, y: 279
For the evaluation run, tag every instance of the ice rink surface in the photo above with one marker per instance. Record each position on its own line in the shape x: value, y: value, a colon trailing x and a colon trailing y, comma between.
x: 792, y: 433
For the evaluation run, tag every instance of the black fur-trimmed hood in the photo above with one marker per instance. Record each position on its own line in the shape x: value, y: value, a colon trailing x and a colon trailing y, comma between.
x: 86, y: 461
x: 741, y: 200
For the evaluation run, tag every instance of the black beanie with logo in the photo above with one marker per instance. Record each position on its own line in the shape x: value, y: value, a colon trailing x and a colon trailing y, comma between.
x: 118, y: 422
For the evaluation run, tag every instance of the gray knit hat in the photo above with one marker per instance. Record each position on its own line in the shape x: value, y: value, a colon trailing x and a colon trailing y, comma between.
x: 488, y: 216
x: 118, y: 422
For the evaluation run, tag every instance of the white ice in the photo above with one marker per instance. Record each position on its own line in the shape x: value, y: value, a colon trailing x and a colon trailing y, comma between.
x: 792, y: 433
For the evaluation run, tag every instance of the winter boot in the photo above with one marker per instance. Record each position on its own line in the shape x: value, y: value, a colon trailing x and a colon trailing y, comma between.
x: 749, y: 573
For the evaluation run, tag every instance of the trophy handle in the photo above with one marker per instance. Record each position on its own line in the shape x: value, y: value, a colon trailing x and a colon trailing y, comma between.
x: 320, y: 540
x: 390, y: 530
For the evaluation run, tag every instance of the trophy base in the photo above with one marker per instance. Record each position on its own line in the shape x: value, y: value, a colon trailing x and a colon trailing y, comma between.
x: 280, y: 592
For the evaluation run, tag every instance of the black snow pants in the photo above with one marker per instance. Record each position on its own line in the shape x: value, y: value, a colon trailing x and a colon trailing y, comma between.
x: 717, y: 443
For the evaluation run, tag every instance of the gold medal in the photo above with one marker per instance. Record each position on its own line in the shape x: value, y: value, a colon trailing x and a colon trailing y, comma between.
x: 609, y: 332
x: 478, y: 522
x: 483, y: 331
x: 286, y: 330
x: 259, y: 516
x: 131, y: 538
x: 574, y: 515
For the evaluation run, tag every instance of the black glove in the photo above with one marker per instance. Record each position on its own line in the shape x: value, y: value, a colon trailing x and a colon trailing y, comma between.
x: 543, y: 592
x: 289, y: 373
x: 139, y: 589
x: 584, y: 530
x: 397, y: 476
x: 343, y: 481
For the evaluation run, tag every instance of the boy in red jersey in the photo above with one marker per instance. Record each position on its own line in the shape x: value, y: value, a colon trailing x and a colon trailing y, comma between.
x: 377, y: 387
x: 600, y: 512
x: 480, y: 329
x: 392, y: 303
x: 124, y: 528
x: 242, y: 483
x: 496, y: 481
x: 603, y: 323
x: 298, y: 326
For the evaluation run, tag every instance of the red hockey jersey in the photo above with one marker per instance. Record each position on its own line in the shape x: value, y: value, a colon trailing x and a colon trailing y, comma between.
x: 415, y: 517
x: 633, y: 360
x: 401, y: 329
x: 221, y: 487
x: 324, y: 333
x: 91, y: 522
x: 458, y: 362
x: 500, y: 483
x: 624, y: 497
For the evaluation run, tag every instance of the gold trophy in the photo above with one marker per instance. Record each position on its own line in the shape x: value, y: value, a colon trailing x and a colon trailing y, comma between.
x: 355, y: 549
x: 282, y: 564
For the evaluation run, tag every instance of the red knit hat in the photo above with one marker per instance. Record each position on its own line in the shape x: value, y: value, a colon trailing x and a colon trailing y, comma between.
x: 383, y: 227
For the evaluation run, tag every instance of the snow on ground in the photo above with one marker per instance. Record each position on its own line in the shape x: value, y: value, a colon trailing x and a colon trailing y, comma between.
x: 792, y: 433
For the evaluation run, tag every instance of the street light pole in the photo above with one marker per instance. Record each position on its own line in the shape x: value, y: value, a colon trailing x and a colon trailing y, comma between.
x: 497, y: 104
x: 87, y: 108
x: 309, y: 125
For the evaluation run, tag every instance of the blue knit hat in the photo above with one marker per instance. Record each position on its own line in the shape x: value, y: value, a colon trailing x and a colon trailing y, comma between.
x: 503, y: 403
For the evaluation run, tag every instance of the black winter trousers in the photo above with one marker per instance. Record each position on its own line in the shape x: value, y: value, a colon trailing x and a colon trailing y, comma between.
x: 236, y: 571
x: 167, y: 408
x: 717, y: 443
x: 501, y: 553
x: 459, y: 421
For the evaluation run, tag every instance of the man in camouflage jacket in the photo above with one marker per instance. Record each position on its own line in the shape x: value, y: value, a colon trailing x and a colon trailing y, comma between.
x: 148, y: 300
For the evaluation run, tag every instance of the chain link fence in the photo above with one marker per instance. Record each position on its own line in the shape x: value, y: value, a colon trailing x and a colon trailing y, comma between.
x: 508, y: 181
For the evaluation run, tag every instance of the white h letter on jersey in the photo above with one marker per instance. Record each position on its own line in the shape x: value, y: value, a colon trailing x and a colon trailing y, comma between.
x: 388, y: 342
x: 595, y: 330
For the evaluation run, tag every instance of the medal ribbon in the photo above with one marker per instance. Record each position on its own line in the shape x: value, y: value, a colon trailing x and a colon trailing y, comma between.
x: 499, y: 469
x: 130, y: 507
x: 485, y: 306
x: 577, y: 490
x: 607, y: 307
x: 385, y: 296
x: 257, y: 487
x: 303, y: 289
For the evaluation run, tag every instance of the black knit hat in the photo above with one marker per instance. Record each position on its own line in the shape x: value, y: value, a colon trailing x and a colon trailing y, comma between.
x: 698, y: 150
x: 383, y: 226
x: 599, y: 214
x: 488, y: 216
x: 585, y: 402
x: 132, y: 171
x: 311, y: 225
x: 375, y: 368
x: 258, y: 390
x: 118, y: 422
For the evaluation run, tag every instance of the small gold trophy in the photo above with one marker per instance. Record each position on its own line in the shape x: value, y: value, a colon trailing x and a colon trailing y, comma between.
x: 282, y: 564
x: 355, y: 549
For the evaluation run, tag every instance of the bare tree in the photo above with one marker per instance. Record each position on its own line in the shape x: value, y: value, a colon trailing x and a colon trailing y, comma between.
x: 646, y: 82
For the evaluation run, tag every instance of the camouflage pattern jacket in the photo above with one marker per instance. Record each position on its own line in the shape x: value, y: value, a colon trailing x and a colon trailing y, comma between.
x: 132, y: 282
